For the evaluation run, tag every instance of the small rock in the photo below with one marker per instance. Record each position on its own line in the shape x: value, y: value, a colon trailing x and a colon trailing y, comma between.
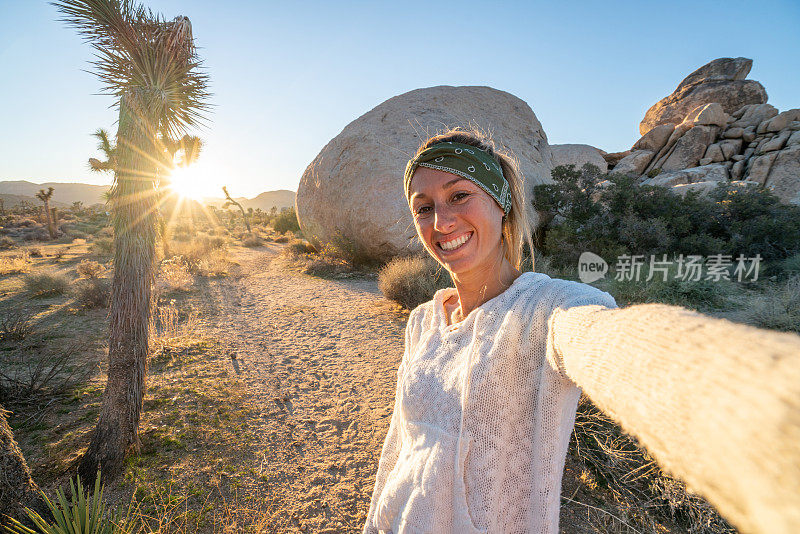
x: 755, y: 114
x: 705, y: 161
x: 730, y: 147
x: 706, y: 173
x: 782, y: 120
x: 636, y: 162
x: 749, y: 152
x: 749, y: 135
x: 776, y: 143
x: 794, y: 125
x: 737, y: 171
x: 762, y: 127
x: 612, y: 158
x: 784, y: 175
x: 759, y: 169
x: 708, y: 115
x: 733, y: 133
x: 655, y: 138
x: 794, y: 139
x: 737, y: 157
x: 713, y: 154
x: 690, y: 148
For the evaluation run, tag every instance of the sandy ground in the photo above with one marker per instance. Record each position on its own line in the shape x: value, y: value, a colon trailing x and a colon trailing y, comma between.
x: 319, y: 358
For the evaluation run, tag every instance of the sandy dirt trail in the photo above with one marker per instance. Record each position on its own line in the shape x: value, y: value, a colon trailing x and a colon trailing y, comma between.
x: 319, y: 358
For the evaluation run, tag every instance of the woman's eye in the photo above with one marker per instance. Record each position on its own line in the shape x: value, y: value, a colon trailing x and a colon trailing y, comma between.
x: 423, y: 210
x: 460, y: 196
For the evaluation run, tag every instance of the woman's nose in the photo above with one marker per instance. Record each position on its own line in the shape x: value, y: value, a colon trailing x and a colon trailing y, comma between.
x: 444, y: 220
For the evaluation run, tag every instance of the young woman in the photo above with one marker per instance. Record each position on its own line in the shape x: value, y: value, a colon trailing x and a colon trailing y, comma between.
x: 489, y: 381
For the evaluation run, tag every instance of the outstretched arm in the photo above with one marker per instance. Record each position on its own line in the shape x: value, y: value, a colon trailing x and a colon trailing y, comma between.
x: 716, y: 403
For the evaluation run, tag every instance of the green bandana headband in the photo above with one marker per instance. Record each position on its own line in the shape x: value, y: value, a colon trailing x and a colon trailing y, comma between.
x: 467, y: 161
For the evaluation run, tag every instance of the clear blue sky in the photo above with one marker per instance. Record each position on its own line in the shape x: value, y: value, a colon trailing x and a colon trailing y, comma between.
x: 287, y: 76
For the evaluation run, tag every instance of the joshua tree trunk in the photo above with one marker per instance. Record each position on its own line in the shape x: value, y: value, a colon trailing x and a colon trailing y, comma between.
x: 244, y: 215
x: 17, y: 488
x: 134, y: 203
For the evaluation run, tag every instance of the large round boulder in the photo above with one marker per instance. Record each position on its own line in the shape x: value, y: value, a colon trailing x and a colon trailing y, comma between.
x: 721, y: 81
x: 352, y: 195
x: 578, y: 155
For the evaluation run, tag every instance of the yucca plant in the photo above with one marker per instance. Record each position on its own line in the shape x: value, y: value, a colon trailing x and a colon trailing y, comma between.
x: 151, y: 67
x: 83, y: 514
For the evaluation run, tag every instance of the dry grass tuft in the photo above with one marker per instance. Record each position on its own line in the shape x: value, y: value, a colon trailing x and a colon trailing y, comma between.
x: 778, y: 307
x: 15, y: 264
x: 616, y: 465
x: 46, y: 284
x: 411, y: 281
x: 89, y: 269
x: 93, y: 292
x: 174, y: 275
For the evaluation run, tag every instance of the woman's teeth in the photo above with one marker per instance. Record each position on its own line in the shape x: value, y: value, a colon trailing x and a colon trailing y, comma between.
x: 455, y: 243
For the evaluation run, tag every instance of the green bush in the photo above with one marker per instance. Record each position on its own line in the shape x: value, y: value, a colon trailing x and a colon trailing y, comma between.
x: 7, y: 243
x: 286, y: 221
x: 47, y: 284
x: 627, y: 218
x: 410, y: 281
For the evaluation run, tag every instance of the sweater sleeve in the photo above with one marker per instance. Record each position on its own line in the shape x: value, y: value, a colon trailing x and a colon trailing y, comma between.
x: 716, y: 403
x: 392, y: 444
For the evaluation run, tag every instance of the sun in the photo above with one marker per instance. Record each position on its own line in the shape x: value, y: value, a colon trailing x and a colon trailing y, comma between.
x: 185, y: 184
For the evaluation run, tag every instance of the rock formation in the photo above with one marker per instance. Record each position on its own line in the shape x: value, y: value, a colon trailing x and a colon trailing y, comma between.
x: 578, y: 155
x: 722, y: 81
x: 352, y: 193
x: 753, y: 144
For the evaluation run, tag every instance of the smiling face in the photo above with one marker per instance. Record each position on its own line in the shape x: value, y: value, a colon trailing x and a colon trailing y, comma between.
x: 458, y: 222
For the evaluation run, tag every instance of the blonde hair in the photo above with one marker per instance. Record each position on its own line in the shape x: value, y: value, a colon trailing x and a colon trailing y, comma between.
x: 516, y: 224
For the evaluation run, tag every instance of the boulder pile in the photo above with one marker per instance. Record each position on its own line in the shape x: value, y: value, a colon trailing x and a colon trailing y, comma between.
x: 714, y: 142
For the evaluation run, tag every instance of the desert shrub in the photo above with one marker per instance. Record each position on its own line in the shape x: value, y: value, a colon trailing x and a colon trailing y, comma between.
x: 15, y: 264
x: 615, y: 462
x: 252, y: 240
x: 174, y: 275
x: 282, y: 239
x: 30, y: 372
x: 36, y: 234
x: 299, y: 246
x: 26, y: 223
x: 633, y: 219
x: 350, y: 251
x: 16, y: 324
x: 103, y: 246
x: 46, y: 284
x: 7, y: 243
x: 286, y: 221
x: 35, y: 252
x: 89, y: 269
x: 410, y: 281
x: 778, y: 307
x: 93, y: 292
x: 59, y: 254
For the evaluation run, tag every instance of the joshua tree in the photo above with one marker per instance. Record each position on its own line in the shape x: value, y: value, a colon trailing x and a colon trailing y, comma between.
x: 17, y: 488
x: 151, y: 67
x: 45, y: 196
x: 230, y: 201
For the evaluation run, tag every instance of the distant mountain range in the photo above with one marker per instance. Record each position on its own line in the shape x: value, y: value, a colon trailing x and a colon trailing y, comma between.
x: 14, y: 192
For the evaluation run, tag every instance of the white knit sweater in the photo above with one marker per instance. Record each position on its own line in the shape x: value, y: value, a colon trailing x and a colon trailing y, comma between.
x: 482, y: 416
